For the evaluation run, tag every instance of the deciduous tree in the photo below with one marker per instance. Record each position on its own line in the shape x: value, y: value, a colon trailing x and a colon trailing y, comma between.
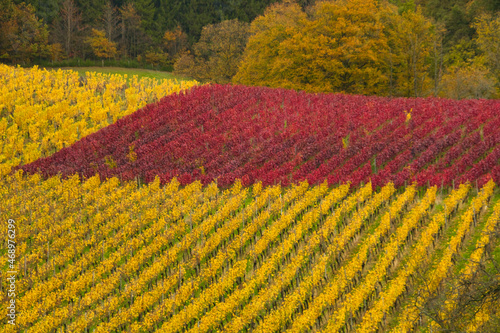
x: 24, y: 36
x: 488, y: 39
x: 351, y: 45
x: 101, y: 46
x: 468, y: 81
x: 412, y: 40
x: 110, y: 21
x: 175, y: 41
x: 68, y: 26
x: 218, y: 53
x: 341, y: 47
x: 279, y: 23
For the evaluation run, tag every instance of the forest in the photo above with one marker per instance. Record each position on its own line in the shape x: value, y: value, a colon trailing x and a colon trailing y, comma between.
x: 411, y: 48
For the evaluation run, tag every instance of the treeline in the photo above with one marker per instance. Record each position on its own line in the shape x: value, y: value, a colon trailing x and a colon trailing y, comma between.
x: 360, y: 47
x: 153, y: 30
x: 392, y: 48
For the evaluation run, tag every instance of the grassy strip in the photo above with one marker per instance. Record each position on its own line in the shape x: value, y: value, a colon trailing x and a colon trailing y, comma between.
x: 130, y: 72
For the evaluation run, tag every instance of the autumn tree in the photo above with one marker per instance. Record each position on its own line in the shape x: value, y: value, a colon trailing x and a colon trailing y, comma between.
x: 351, y: 46
x: 470, y: 80
x: 155, y: 58
x: 24, y: 36
x: 68, y: 26
x: 175, y: 41
x: 340, y: 47
x: 217, y: 54
x: 261, y: 57
x: 101, y: 46
x: 488, y: 40
x: 412, y: 40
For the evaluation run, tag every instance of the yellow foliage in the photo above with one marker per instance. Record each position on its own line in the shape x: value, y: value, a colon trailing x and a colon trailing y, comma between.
x: 101, y: 46
x: 488, y: 39
x: 468, y: 81
x: 345, y: 142
x: 132, y: 155
x: 350, y: 46
x: 163, y: 257
x: 408, y: 115
x: 340, y: 47
x: 411, y: 36
x: 42, y: 111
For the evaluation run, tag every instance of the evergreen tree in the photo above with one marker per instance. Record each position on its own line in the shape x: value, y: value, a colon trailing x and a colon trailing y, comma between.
x: 46, y: 10
x: 91, y: 11
x: 453, y: 14
x: 146, y: 10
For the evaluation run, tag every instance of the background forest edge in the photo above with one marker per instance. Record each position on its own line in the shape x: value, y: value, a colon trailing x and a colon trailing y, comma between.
x: 209, y: 41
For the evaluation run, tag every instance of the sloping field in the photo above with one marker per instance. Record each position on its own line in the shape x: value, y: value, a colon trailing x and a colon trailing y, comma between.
x: 105, y: 257
x: 281, y: 136
x: 237, y: 209
x: 42, y: 111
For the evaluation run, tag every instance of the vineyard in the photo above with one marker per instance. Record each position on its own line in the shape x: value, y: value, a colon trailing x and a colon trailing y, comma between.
x: 225, y: 133
x: 240, y: 209
x: 43, y: 111
x: 118, y: 257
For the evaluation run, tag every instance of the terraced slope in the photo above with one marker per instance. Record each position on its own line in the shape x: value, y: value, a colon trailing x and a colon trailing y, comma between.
x: 281, y: 136
x: 42, y: 111
x: 108, y: 257
x: 236, y: 209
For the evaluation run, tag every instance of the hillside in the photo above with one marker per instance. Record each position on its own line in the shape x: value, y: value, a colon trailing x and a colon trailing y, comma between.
x: 160, y: 206
x: 227, y: 132
x: 111, y: 257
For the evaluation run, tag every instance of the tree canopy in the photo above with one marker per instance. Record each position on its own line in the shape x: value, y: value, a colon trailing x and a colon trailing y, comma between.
x: 23, y: 35
x: 382, y: 47
x: 350, y: 46
x: 217, y: 55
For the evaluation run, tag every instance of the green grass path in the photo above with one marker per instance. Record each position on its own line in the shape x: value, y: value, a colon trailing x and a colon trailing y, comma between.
x: 140, y: 72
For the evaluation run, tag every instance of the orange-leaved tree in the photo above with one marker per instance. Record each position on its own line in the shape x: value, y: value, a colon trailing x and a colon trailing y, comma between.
x: 351, y: 46
x: 101, y: 46
x: 261, y: 59
x: 175, y: 41
x: 341, y: 46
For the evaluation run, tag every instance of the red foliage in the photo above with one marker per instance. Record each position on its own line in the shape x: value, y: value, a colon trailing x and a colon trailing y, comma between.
x: 282, y: 136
